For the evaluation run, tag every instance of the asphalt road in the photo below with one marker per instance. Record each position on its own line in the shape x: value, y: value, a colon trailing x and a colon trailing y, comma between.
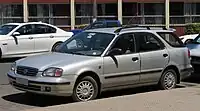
x: 14, y: 100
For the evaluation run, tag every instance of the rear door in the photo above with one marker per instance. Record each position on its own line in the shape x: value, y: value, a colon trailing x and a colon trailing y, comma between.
x: 44, y: 37
x: 154, y: 56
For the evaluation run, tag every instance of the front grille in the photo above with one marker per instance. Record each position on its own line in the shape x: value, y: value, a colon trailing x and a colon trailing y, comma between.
x: 195, y: 59
x: 27, y: 71
x: 29, y: 87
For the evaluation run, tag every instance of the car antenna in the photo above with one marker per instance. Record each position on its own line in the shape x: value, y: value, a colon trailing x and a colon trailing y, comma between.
x: 118, y: 30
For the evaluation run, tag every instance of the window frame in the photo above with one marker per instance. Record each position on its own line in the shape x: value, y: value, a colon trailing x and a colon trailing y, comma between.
x: 175, y: 36
x: 162, y: 45
x: 114, y: 42
x: 46, y: 27
x: 32, y: 25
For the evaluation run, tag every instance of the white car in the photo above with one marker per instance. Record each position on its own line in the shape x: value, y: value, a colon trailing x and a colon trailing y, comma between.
x: 25, y: 39
x: 187, y: 38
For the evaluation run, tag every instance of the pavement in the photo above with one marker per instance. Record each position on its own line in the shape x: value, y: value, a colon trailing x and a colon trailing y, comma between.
x: 181, y: 99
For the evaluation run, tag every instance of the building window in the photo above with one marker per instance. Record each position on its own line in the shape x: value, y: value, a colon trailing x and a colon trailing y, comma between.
x: 176, y: 8
x: 197, y: 8
x: 131, y: 9
x: 32, y: 8
x: 107, y: 9
x: 17, y: 10
x: 61, y: 9
x: 84, y: 10
x: 154, y: 8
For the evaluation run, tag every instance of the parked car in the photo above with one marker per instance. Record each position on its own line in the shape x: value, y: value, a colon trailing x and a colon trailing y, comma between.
x: 188, y: 38
x: 99, y: 24
x: 24, y: 39
x: 105, y: 59
x: 194, y: 47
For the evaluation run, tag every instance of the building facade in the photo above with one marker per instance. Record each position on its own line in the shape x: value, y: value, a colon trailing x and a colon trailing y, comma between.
x: 58, y: 12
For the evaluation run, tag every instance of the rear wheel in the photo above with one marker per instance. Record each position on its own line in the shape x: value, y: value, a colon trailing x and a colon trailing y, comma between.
x: 168, y: 79
x: 55, y: 46
x: 85, y: 89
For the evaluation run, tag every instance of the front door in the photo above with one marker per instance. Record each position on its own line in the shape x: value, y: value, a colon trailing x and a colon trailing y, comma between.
x: 122, y: 69
x: 22, y: 44
x: 154, y: 56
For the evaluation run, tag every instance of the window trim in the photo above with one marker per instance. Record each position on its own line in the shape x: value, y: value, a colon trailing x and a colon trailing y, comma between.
x: 162, y: 45
x: 175, y: 36
x: 23, y: 26
x: 113, y: 43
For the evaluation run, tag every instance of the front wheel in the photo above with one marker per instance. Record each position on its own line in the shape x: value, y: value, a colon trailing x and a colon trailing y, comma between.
x: 168, y: 79
x: 85, y: 89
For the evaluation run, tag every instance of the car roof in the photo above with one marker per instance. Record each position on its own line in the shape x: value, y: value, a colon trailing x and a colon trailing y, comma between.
x: 128, y: 30
x: 25, y: 23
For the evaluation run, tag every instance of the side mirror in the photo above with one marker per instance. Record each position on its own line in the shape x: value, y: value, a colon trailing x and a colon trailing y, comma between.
x: 16, y: 34
x: 188, y: 41
x: 115, y: 51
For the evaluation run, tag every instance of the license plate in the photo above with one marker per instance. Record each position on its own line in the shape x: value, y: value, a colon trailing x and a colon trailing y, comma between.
x: 22, y: 81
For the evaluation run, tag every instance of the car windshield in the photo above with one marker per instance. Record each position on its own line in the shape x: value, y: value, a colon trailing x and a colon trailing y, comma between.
x: 196, y: 40
x: 86, y: 43
x: 5, y: 29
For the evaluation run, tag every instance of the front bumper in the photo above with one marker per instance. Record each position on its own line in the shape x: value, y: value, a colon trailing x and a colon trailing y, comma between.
x: 61, y: 88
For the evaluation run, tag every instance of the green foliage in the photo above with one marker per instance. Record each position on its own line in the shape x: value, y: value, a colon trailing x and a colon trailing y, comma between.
x: 192, y: 28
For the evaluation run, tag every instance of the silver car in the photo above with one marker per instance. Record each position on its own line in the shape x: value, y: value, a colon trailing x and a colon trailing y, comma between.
x: 105, y: 59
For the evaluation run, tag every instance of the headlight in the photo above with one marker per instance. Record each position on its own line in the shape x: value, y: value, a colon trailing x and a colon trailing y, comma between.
x: 53, y: 72
x: 13, y: 66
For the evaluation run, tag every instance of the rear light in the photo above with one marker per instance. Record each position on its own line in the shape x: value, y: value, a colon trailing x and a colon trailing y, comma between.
x: 188, y: 53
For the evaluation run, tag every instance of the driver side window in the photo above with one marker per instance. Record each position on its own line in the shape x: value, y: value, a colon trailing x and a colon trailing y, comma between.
x: 126, y: 43
x: 25, y: 30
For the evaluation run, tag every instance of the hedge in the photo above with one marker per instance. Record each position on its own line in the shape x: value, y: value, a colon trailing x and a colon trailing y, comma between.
x: 192, y: 28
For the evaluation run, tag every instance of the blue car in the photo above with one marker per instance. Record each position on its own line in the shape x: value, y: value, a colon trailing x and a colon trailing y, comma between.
x: 194, y: 47
x: 99, y: 24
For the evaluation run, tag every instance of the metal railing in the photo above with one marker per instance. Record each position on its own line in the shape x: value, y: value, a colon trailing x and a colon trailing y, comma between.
x: 147, y: 19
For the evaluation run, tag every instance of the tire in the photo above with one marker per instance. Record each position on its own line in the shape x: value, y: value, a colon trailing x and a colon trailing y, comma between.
x: 168, y: 79
x: 84, y: 85
x: 55, y: 46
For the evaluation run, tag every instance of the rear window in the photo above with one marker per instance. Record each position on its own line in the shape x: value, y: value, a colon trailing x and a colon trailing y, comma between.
x: 171, y: 38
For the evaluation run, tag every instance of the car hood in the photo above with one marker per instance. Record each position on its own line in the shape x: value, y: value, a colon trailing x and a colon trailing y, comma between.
x: 194, y: 49
x: 52, y: 60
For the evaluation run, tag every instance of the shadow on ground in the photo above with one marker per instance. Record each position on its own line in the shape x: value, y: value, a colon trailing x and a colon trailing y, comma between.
x: 8, y: 60
x: 44, y: 101
x: 195, y: 77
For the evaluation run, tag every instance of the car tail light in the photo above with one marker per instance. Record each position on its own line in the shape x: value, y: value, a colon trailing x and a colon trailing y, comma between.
x: 188, y: 53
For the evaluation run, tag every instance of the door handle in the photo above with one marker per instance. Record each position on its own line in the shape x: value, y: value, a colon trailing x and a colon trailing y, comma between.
x: 51, y: 36
x: 135, y: 58
x: 30, y: 37
x: 5, y: 43
x: 165, y: 55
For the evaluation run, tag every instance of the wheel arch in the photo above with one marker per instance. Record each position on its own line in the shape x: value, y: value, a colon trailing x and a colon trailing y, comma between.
x: 91, y: 74
x: 176, y: 70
